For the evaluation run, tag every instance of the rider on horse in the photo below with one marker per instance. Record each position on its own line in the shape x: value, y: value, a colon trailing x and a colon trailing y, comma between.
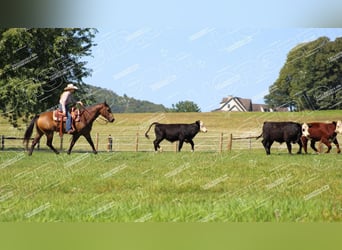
x: 66, y: 101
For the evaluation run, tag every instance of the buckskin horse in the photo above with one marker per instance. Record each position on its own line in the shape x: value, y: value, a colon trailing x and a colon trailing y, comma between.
x: 45, y: 124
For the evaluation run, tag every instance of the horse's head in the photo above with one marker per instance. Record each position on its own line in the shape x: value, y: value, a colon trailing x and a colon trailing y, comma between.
x: 106, y: 112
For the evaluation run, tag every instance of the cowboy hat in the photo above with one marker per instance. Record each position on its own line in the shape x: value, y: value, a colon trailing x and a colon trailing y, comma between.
x: 70, y: 86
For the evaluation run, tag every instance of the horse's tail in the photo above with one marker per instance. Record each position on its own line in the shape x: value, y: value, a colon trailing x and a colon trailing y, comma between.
x: 29, y: 130
x: 146, y: 133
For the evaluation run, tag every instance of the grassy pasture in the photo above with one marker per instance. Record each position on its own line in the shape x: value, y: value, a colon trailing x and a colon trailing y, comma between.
x: 145, y: 186
x: 204, y: 186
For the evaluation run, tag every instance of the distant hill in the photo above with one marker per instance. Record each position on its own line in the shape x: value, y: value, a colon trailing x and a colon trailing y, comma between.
x: 122, y: 104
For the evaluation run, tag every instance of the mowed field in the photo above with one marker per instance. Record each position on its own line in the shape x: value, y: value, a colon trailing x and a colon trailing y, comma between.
x: 211, y: 184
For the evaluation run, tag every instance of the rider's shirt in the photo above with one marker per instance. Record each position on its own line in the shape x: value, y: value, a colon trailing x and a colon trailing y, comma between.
x: 66, y: 99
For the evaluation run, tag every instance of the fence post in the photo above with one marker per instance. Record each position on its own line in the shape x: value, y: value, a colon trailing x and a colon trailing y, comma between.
x: 61, y: 142
x: 97, y: 142
x: 230, y: 142
x: 221, y: 142
x: 110, y: 144
x: 2, y: 142
x: 137, y: 142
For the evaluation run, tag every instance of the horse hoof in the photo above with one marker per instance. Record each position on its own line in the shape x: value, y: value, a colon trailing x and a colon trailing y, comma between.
x: 95, y: 152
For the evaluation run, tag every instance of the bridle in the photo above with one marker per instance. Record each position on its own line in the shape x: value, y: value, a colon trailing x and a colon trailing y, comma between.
x: 104, y: 121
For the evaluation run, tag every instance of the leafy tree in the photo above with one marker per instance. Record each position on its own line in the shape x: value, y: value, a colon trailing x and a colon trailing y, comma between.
x: 310, y: 78
x: 35, y: 66
x: 185, y: 106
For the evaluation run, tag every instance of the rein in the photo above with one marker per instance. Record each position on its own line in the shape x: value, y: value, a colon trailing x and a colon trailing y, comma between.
x: 103, y: 120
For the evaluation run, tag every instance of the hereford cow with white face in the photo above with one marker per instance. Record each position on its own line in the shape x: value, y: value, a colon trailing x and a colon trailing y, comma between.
x: 322, y: 132
x: 305, y: 130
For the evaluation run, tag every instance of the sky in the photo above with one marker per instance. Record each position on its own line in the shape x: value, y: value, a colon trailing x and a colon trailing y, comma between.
x: 166, y: 53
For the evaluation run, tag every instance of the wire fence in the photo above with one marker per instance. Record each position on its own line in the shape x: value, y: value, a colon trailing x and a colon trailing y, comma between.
x: 132, y: 141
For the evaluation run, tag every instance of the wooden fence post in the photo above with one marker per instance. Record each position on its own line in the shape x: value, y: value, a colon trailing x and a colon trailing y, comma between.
x: 221, y: 142
x: 97, y: 142
x: 2, y: 142
x: 110, y: 144
x: 137, y: 142
x: 230, y: 142
x: 61, y: 142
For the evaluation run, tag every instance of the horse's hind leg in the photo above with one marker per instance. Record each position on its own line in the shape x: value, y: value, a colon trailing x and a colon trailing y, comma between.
x: 35, y: 141
x: 49, y: 137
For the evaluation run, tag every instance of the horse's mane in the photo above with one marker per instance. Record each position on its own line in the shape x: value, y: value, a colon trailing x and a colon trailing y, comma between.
x: 97, y: 104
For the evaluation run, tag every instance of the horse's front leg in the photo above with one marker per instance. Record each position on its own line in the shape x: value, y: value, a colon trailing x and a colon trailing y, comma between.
x: 74, y: 139
x: 90, y: 141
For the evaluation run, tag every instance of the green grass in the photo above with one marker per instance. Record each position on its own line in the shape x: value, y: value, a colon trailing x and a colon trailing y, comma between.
x: 198, y: 187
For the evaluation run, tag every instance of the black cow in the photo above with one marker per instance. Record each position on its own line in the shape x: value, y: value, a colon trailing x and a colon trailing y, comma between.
x: 281, y: 132
x: 176, y: 132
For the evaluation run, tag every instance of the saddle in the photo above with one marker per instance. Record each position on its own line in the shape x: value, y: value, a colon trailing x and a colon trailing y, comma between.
x: 57, y: 115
